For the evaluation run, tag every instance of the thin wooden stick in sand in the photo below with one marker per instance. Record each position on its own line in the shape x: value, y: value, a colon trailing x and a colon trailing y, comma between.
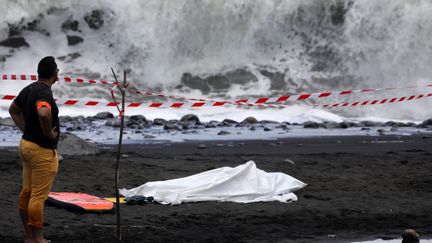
x: 117, y: 174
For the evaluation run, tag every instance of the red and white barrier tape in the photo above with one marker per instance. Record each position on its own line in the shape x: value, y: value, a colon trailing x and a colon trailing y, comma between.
x: 375, y: 101
x: 24, y: 77
x: 238, y: 103
x: 201, y: 104
x: 91, y: 81
x: 93, y: 103
x: 280, y: 99
x: 262, y: 101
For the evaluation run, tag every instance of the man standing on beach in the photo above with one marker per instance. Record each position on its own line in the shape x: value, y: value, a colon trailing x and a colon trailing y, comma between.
x: 35, y: 112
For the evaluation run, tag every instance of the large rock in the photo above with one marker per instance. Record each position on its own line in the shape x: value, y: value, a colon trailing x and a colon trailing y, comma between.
x: 282, y: 126
x: 213, y: 124
x: 310, y: 124
x: 347, y: 124
x: 69, y: 57
x: 332, y: 125
x: 103, y: 115
x: 172, y: 126
x: 223, y: 132
x: 427, y: 122
x: 70, y: 24
x: 190, y: 118
x: 7, y: 122
x: 70, y: 144
x: 74, y: 40
x: 76, y: 126
x: 78, y: 123
x: 117, y: 122
x: 268, y: 122
x: 250, y: 120
x: 65, y: 119
x: 369, y: 124
x: 343, y: 125
x: 398, y: 124
x: 14, y: 42
x: 95, y: 19
x: 137, y: 122
x: 138, y: 119
x: 229, y: 122
x: 159, y: 122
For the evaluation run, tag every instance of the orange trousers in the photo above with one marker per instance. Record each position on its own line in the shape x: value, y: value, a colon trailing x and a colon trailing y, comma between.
x: 40, y: 166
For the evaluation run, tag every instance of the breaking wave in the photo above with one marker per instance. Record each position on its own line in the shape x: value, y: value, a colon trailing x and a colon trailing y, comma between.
x: 228, y: 49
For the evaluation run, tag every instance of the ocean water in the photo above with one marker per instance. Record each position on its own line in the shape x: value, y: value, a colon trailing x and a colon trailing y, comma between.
x: 229, y: 49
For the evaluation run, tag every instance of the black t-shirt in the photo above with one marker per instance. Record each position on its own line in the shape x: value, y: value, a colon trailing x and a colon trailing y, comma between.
x: 26, y: 100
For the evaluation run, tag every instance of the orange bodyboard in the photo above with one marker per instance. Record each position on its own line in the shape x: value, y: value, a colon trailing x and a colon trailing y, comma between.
x: 77, y: 201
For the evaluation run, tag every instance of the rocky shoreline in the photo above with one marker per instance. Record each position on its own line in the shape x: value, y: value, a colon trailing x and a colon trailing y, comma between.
x: 103, y: 128
x: 191, y: 121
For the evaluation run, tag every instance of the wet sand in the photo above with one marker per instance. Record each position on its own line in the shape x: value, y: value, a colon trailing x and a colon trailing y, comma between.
x: 358, y: 188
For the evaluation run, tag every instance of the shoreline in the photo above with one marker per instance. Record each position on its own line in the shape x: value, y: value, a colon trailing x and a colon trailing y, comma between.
x: 104, y: 128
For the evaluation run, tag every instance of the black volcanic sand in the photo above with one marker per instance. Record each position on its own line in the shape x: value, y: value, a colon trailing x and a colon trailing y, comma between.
x: 358, y: 188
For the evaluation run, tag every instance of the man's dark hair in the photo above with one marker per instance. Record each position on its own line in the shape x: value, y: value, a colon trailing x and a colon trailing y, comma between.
x: 47, y: 67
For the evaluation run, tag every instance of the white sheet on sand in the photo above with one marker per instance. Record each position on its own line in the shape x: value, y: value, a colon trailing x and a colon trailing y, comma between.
x: 243, y: 184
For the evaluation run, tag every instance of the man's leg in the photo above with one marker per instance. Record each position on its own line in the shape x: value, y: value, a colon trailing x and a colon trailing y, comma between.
x: 36, y: 205
x: 24, y: 197
x: 44, y: 170
x: 24, y: 201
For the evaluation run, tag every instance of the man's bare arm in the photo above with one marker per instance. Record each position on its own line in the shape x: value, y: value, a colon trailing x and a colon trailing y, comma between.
x: 17, y: 116
x: 45, y: 121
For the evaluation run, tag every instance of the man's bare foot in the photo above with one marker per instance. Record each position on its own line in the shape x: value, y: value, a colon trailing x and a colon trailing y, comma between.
x: 37, y: 241
x: 38, y: 235
x: 43, y: 241
x: 34, y: 241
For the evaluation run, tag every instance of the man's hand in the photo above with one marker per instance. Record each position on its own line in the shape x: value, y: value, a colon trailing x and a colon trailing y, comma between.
x: 54, y: 133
